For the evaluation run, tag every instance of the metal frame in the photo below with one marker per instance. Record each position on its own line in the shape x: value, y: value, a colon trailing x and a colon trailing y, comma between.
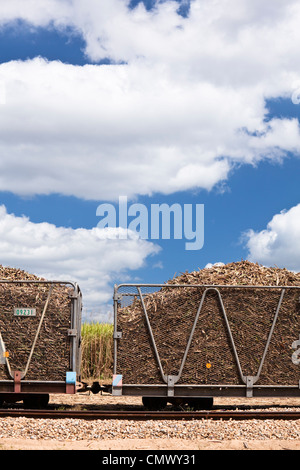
x: 170, y: 388
x: 17, y: 382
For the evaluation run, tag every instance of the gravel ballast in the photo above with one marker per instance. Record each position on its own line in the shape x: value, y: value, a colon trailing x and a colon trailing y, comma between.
x: 74, y: 429
x: 29, y: 433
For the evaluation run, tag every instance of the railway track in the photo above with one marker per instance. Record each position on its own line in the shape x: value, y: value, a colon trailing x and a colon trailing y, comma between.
x: 151, y: 415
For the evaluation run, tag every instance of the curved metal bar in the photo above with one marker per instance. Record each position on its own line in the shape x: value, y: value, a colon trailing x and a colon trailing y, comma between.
x: 37, y: 332
x: 164, y: 377
x: 255, y: 379
x: 234, y: 286
x: 194, y: 327
x: 3, y: 349
x: 35, y: 281
x: 177, y: 377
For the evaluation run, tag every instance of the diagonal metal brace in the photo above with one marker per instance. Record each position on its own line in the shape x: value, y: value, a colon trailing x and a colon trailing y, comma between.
x: 37, y: 332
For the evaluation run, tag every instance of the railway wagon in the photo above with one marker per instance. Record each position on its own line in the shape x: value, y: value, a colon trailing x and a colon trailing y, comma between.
x: 186, y: 344
x: 40, y: 336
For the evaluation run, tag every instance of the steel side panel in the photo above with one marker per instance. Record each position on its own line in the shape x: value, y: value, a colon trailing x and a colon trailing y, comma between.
x: 220, y: 390
x: 73, y: 349
x: 211, y: 391
x: 36, y: 387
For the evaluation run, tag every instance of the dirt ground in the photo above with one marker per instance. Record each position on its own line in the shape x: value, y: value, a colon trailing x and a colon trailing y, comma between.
x: 88, y: 400
x: 148, y: 444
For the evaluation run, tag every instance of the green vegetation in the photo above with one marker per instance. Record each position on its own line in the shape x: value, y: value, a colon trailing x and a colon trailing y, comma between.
x: 97, y: 351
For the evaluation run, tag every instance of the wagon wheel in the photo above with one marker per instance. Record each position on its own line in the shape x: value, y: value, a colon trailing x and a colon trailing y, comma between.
x: 36, y: 401
x: 201, y: 403
x: 154, y: 403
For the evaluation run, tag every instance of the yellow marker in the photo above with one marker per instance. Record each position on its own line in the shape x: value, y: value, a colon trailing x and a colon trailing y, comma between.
x: 208, y: 365
x: 6, y: 354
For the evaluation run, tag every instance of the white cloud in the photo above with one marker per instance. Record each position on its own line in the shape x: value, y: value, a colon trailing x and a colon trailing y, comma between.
x: 98, y: 132
x: 211, y: 265
x: 89, y: 257
x: 186, y: 105
x: 279, y: 243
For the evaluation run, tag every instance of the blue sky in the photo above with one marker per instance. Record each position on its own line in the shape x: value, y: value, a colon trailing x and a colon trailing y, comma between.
x: 102, y: 99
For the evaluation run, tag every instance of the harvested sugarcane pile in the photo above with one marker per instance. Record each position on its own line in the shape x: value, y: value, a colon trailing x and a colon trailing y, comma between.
x: 50, y: 358
x: 172, y: 310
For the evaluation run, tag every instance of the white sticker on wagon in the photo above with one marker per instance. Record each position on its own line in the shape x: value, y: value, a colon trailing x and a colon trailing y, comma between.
x: 24, y: 312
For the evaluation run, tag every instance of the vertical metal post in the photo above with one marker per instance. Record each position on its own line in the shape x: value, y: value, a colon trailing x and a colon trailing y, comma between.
x: 74, y: 329
x: 115, y: 328
x: 17, y: 381
x: 78, y: 326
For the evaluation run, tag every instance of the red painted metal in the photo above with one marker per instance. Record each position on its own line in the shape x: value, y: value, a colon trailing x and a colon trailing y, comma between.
x: 70, y: 389
x: 17, y: 381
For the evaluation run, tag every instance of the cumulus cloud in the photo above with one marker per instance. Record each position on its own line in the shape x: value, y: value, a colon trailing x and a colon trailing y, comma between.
x: 100, y: 131
x: 211, y: 265
x: 279, y: 243
x: 91, y: 257
x: 182, y: 104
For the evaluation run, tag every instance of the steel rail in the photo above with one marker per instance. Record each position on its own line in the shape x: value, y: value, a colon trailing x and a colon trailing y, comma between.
x: 150, y: 415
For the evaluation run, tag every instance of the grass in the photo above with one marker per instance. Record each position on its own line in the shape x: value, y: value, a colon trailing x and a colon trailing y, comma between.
x: 97, y: 351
